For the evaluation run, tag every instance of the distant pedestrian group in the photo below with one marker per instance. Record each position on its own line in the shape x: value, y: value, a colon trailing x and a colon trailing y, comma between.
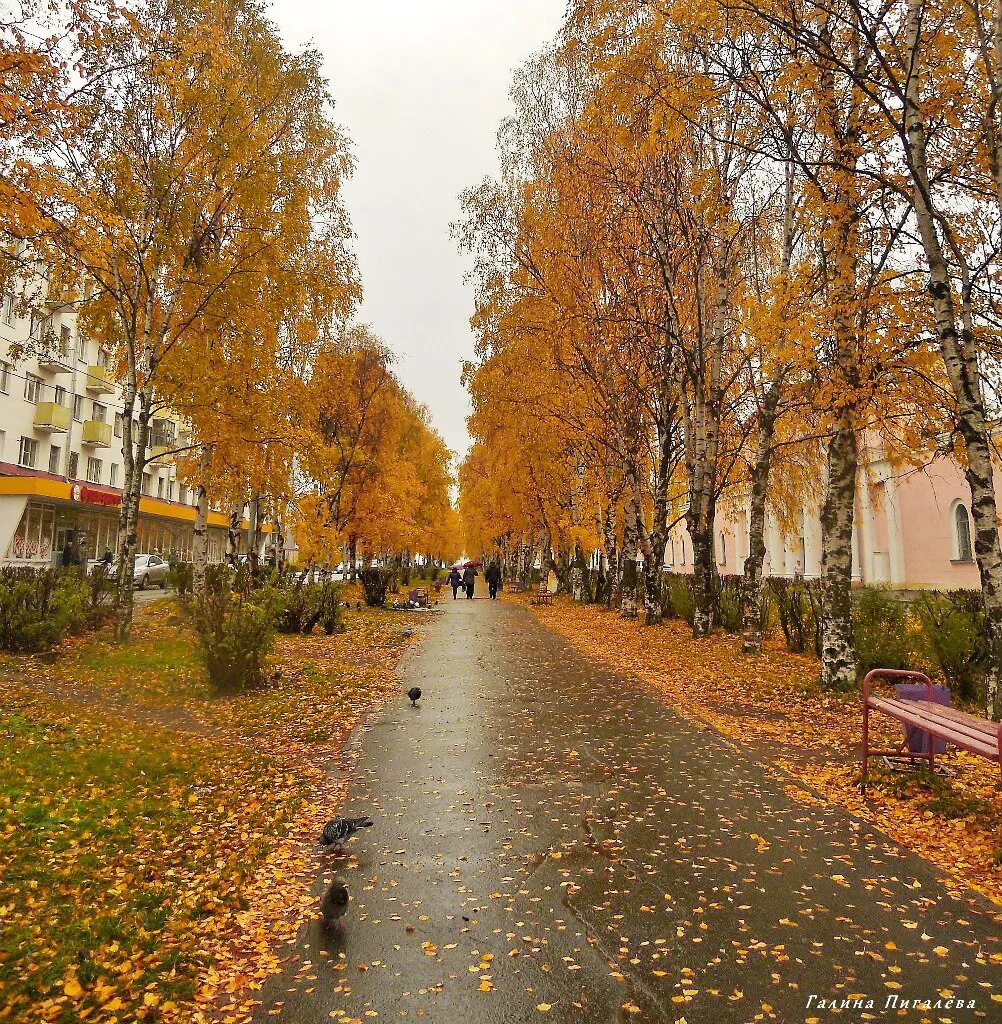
x: 467, y: 579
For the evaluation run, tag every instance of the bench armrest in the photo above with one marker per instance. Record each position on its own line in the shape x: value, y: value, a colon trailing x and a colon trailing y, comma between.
x: 895, y: 673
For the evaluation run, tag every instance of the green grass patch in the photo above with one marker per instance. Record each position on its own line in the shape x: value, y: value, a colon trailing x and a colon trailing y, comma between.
x: 110, y: 854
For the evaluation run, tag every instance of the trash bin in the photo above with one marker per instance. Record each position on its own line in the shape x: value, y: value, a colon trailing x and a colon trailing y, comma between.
x: 918, y: 741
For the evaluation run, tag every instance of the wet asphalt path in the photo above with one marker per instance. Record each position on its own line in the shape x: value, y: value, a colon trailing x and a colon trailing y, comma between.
x: 551, y: 840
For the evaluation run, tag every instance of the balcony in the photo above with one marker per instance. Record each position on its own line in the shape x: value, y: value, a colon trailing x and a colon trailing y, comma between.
x: 160, y: 455
x: 52, y: 417
x: 96, y: 433
x: 52, y: 360
x: 100, y: 381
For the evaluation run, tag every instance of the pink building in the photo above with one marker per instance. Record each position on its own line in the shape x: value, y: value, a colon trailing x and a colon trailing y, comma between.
x: 912, y: 531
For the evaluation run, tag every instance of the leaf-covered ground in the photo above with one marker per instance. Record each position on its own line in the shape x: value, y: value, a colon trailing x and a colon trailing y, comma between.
x: 154, y: 838
x: 773, y: 702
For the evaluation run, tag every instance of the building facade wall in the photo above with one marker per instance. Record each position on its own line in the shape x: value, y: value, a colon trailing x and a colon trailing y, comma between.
x: 61, y: 461
x: 909, y: 531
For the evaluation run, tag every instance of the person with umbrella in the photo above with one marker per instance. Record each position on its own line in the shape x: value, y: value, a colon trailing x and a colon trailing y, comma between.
x: 469, y: 581
x: 455, y: 579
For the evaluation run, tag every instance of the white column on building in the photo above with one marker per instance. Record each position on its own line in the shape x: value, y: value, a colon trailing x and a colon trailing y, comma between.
x: 895, y: 534
x: 864, y: 521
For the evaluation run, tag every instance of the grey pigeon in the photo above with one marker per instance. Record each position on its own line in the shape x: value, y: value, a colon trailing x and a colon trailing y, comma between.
x: 339, y: 830
x: 333, y: 904
x: 414, y: 693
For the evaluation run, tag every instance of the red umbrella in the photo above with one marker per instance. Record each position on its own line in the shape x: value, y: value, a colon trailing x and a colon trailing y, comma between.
x: 467, y: 564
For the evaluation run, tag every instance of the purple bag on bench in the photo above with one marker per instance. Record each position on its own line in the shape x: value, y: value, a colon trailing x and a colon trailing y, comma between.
x: 918, y: 741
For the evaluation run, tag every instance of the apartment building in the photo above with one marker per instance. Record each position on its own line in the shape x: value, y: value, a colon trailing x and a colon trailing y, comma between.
x: 61, y: 466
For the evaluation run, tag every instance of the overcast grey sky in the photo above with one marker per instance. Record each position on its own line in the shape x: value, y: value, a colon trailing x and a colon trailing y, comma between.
x: 422, y: 86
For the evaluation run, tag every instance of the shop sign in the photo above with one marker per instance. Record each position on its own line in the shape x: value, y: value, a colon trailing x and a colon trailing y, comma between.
x: 95, y: 496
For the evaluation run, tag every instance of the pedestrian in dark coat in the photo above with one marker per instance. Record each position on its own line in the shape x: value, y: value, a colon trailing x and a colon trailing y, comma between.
x: 454, y: 580
x: 69, y: 553
x: 493, y: 577
x: 469, y: 581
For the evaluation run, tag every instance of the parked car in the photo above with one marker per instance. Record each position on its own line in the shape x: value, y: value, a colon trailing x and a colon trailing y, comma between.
x: 149, y: 570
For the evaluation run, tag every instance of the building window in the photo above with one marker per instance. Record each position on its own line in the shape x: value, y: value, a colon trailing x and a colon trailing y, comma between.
x: 146, y: 483
x: 103, y: 358
x: 3, y: 442
x: 113, y: 475
x: 160, y: 486
x: 94, y: 468
x: 723, y: 548
x: 170, y: 491
x: 8, y: 308
x: 54, y: 452
x: 962, y: 526
x: 64, y: 340
x: 60, y: 395
x: 118, y: 424
x: 78, y: 408
x: 28, y: 452
x: 74, y: 465
x: 100, y: 412
x: 5, y: 378
x: 32, y: 388
x: 182, y: 494
x: 682, y: 542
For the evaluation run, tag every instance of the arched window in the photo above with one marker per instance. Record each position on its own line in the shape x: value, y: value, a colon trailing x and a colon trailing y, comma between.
x: 723, y: 548
x: 682, y: 540
x: 962, y: 526
x: 670, y: 552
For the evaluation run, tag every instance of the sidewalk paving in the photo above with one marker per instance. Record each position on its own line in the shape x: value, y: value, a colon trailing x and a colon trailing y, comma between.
x: 553, y: 843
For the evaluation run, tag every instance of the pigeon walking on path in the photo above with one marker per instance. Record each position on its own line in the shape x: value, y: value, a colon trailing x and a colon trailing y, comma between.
x: 339, y: 830
x: 414, y: 693
x: 333, y: 904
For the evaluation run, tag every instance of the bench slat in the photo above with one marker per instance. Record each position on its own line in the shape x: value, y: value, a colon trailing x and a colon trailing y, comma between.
x: 959, y: 732
x: 949, y: 717
x: 990, y: 728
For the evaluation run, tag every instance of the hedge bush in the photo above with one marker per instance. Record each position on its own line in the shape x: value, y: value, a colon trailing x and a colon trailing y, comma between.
x: 299, y: 606
x: 880, y: 630
x: 798, y: 607
x: 375, y: 583
x: 38, y: 607
x: 951, y: 628
x: 677, y: 600
x: 236, y: 631
x: 181, y: 578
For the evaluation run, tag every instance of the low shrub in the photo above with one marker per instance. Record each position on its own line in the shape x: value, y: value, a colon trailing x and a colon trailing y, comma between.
x: 236, y: 631
x: 38, y: 607
x: 376, y: 583
x: 730, y: 606
x: 299, y: 606
x: 181, y: 579
x: 880, y: 630
x: 951, y: 630
x: 677, y: 600
x: 797, y: 605
x: 101, y: 592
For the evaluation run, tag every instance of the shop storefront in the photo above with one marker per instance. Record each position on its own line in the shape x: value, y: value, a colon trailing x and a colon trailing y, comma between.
x: 38, y: 515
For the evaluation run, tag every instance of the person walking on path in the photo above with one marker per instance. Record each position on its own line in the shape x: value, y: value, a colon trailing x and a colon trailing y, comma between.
x: 493, y: 577
x: 469, y: 581
x: 454, y: 580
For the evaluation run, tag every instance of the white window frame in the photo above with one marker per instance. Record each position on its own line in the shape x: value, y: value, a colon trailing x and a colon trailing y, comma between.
x: 28, y: 446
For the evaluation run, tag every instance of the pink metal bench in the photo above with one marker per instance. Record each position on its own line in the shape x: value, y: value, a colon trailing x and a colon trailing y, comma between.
x: 968, y: 732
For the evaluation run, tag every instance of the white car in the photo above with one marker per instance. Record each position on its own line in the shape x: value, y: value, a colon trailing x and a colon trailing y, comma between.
x: 149, y: 570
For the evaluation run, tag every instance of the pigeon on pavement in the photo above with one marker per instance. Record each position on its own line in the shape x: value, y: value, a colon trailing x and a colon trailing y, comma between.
x: 339, y: 830
x: 333, y: 904
x: 414, y: 693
